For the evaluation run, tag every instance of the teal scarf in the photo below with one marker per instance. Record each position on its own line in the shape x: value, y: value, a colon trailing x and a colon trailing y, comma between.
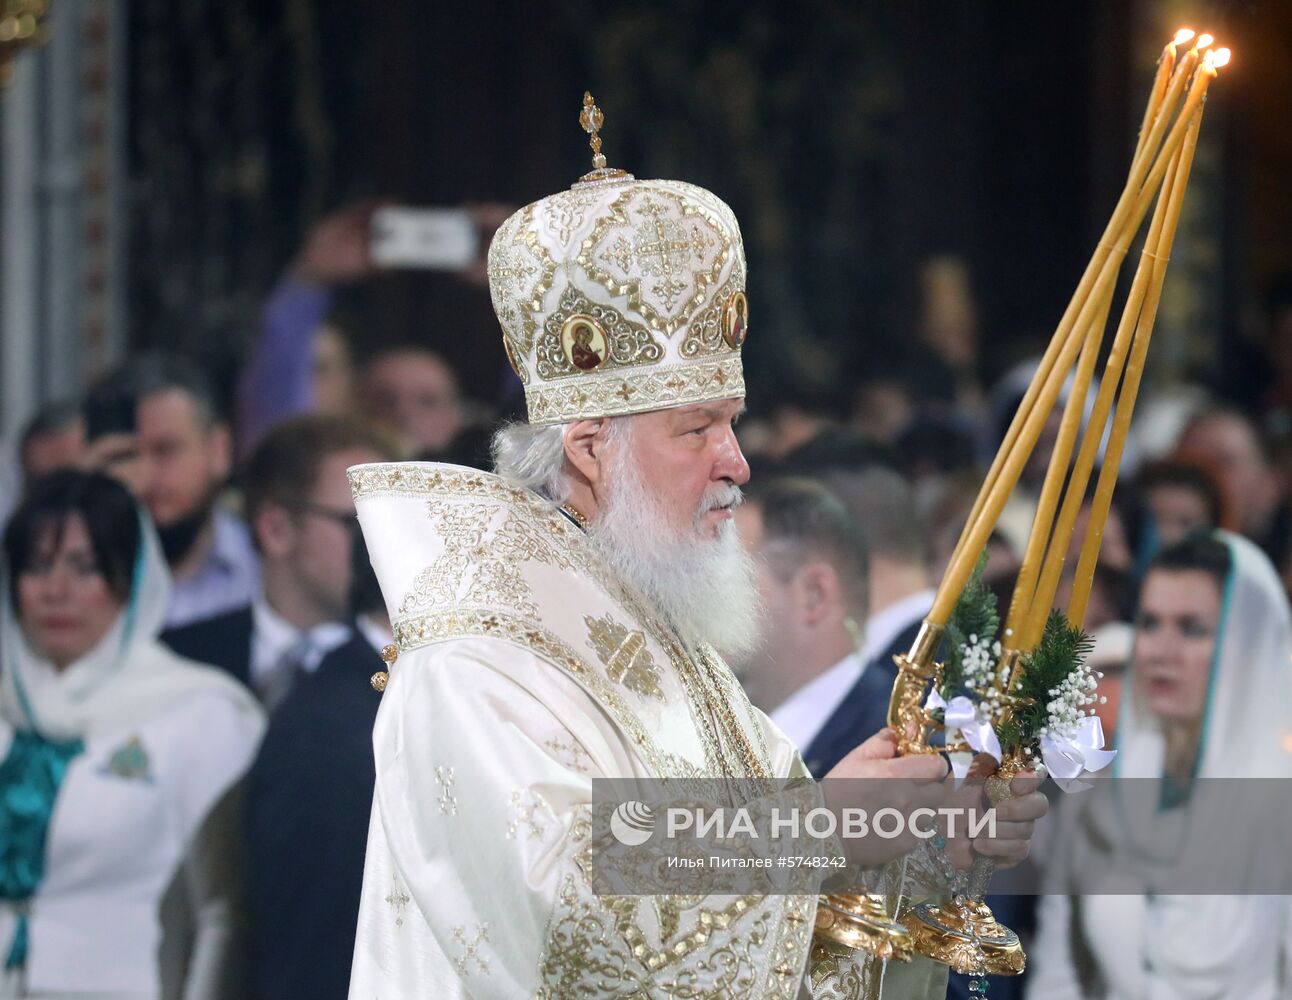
x: 29, y: 780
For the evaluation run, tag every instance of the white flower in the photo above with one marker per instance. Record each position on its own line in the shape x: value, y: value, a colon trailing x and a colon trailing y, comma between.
x: 1069, y: 700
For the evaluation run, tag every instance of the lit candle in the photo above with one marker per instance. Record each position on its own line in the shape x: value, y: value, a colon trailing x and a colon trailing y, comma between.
x: 1149, y: 151
x: 1146, y: 176
x: 1144, y: 329
x: 1132, y: 205
x: 1206, y: 72
x: 1165, y: 66
x: 1128, y: 326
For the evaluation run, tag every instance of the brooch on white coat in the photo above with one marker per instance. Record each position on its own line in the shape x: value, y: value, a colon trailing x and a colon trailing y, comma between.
x: 129, y: 761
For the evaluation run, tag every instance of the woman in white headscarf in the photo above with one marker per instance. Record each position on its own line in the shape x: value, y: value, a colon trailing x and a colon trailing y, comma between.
x: 1210, y: 696
x: 118, y: 764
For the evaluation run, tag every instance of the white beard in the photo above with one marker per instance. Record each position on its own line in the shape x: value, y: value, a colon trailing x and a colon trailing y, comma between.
x: 705, y: 587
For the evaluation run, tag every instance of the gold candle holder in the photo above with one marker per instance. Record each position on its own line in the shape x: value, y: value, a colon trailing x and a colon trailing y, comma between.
x: 860, y: 921
x: 964, y: 933
x: 915, y: 670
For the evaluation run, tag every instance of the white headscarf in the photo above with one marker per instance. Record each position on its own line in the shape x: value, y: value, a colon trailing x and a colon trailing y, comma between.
x: 1119, y: 838
x: 1247, y: 718
x: 127, y: 678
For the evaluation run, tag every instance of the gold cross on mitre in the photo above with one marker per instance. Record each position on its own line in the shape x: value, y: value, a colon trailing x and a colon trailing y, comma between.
x: 591, y: 118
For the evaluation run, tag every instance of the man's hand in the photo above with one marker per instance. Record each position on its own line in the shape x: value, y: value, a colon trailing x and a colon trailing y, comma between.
x: 877, y: 758
x: 337, y: 248
x: 1015, y: 817
x: 117, y: 454
x: 913, y: 782
x: 1015, y: 821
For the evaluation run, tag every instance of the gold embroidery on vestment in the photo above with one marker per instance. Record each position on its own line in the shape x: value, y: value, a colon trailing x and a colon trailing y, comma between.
x: 569, y: 753
x: 624, y: 654
x: 670, y: 946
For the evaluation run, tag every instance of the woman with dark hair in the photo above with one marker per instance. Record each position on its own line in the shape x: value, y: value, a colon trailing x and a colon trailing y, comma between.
x: 118, y: 760
x: 1181, y: 498
x: 1209, y: 695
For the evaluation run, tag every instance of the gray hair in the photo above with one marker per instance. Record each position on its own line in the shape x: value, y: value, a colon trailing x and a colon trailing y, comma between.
x: 532, y: 458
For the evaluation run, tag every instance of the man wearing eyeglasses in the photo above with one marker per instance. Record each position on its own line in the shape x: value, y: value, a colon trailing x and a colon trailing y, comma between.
x: 300, y: 510
x: 300, y: 645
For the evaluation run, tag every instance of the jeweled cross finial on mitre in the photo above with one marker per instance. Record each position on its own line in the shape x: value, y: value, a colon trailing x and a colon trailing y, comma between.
x: 591, y: 118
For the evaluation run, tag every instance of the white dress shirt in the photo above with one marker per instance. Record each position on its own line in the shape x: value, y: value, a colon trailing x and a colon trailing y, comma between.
x: 273, y: 636
x: 802, y: 714
x: 887, y: 624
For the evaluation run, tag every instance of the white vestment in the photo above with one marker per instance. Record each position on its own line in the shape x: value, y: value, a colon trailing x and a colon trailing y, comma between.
x: 526, y: 670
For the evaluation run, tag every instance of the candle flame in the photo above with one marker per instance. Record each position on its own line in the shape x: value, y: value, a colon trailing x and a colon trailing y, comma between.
x: 1204, y: 41
x: 1218, y: 58
x: 1182, y: 36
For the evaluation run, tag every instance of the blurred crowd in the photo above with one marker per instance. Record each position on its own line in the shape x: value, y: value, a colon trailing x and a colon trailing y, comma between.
x: 161, y: 527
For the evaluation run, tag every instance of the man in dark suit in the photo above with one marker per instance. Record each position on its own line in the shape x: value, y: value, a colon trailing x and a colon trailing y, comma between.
x: 302, y: 516
x: 300, y: 646
x: 309, y: 798
x: 223, y: 641
x: 900, y: 595
x: 812, y: 562
x: 864, y: 708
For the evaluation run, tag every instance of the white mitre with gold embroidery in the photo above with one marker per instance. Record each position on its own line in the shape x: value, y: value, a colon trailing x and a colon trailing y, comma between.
x: 620, y: 296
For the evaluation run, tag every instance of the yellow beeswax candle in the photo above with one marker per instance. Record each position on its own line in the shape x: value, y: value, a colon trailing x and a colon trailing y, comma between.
x: 1159, y: 255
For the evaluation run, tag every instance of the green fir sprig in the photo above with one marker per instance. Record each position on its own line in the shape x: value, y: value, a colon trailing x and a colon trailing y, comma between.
x: 1061, y: 653
x: 974, y: 617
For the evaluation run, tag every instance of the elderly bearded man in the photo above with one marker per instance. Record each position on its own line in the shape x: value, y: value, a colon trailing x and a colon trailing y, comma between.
x: 561, y: 621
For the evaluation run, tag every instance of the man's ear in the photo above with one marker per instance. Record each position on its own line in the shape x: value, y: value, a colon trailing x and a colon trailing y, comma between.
x: 819, y: 591
x: 584, y: 444
x: 220, y: 443
x: 275, y: 530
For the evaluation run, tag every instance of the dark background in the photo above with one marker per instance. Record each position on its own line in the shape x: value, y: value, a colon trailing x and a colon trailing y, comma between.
x: 853, y: 140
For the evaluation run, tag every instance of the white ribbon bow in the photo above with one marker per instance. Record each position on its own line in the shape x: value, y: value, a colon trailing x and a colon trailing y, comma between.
x: 961, y: 714
x: 1067, y: 758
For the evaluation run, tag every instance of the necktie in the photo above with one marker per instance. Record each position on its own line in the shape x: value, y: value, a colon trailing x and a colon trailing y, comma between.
x: 274, y: 688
